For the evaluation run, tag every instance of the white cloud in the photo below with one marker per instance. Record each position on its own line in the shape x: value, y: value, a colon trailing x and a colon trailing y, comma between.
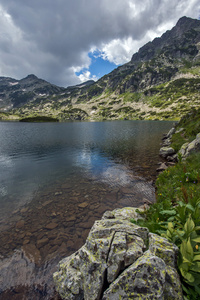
x: 86, y: 75
x: 118, y: 51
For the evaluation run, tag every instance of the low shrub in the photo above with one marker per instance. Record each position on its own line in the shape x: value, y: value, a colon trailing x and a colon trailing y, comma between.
x: 39, y: 119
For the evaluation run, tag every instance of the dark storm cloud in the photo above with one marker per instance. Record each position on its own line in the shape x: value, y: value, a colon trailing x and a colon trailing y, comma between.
x: 52, y: 38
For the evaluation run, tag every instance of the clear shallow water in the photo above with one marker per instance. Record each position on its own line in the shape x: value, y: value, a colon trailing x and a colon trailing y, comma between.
x: 56, y: 179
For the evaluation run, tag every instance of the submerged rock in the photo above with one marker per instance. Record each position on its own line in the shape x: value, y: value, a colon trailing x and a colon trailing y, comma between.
x: 120, y: 260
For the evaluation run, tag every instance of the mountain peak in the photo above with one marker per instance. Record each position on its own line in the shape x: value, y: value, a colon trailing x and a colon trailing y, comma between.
x: 184, y: 24
x: 31, y: 76
x: 186, y: 20
x: 169, y: 38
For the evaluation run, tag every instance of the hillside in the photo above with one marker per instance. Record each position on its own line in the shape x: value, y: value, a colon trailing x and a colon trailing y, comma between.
x: 162, y: 81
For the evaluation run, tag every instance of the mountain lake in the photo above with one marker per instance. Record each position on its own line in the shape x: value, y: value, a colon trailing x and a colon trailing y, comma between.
x: 56, y: 179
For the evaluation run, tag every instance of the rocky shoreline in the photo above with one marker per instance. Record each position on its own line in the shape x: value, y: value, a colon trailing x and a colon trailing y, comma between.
x: 121, y: 260
x: 169, y: 154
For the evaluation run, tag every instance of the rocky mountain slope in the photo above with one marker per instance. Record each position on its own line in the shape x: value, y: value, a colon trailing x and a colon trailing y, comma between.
x: 15, y: 93
x: 162, y: 81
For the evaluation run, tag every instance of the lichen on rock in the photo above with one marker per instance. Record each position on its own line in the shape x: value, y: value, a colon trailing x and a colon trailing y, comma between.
x: 120, y: 260
x: 147, y: 278
x: 166, y: 151
x: 162, y: 248
x: 189, y: 148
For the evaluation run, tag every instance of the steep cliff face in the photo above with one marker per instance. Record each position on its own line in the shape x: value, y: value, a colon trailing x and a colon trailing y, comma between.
x: 162, y: 81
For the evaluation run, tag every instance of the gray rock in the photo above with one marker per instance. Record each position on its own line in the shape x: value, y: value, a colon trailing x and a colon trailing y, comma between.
x: 166, y: 142
x: 183, y: 149
x: 172, y: 158
x: 166, y: 151
x: 189, y: 148
x: 125, y: 249
x: 88, y: 265
x: 116, y: 252
x: 162, y: 248
x: 170, y: 133
x: 147, y: 278
x: 125, y: 213
x: 162, y: 167
x: 116, y: 256
x: 179, y: 130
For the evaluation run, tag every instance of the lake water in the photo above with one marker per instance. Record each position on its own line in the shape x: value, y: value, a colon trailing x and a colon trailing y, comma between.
x: 56, y: 179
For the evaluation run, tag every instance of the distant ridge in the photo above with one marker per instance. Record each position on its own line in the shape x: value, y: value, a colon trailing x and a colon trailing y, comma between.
x: 83, y: 84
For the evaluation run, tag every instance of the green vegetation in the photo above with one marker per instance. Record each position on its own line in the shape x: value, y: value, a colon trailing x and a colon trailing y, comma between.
x: 191, y: 67
x: 176, y: 216
x: 176, y: 213
x: 74, y: 114
x: 94, y: 90
x: 131, y: 97
x: 7, y: 116
x: 82, y: 98
x: 104, y: 112
x: 113, y: 102
x: 164, y: 95
x: 39, y: 119
x: 126, y: 110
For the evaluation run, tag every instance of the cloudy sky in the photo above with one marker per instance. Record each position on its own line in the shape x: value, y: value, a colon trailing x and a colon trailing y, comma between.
x: 69, y: 41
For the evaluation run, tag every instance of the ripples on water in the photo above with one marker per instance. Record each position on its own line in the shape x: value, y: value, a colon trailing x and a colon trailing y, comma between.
x: 55, y: 181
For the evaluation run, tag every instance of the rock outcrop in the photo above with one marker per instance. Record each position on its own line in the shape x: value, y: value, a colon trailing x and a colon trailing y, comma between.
x: 166, y: 151
x: 189, y: 148
x: 120, y: 260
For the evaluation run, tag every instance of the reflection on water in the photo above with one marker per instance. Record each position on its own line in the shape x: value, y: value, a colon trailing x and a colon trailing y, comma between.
x: 55, y: 181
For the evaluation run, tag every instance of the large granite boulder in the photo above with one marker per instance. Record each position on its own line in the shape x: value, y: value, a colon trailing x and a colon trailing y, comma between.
x: 189, y: 148
x: 120, y: 260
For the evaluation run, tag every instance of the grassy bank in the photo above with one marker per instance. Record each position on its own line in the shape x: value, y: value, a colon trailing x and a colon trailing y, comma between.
x: 176, y: 213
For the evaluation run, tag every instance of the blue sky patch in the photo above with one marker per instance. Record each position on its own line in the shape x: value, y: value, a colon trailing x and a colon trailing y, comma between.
x: 99, y: 66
